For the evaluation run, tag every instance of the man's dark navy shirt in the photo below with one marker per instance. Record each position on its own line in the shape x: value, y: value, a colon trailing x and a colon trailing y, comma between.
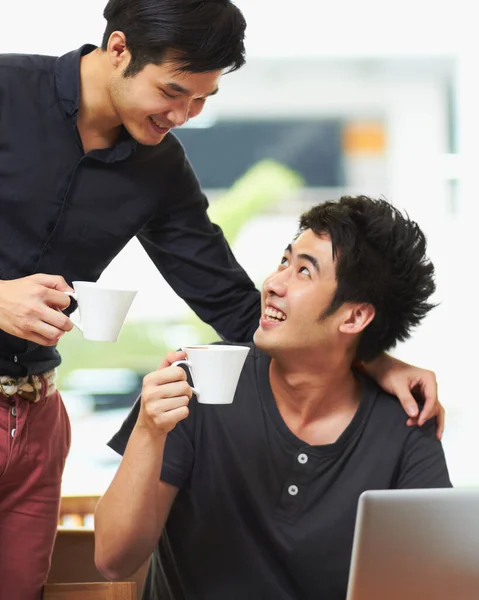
x: 68, y: 213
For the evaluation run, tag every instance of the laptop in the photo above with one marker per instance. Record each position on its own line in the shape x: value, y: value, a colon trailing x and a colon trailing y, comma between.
x: 416, y: 545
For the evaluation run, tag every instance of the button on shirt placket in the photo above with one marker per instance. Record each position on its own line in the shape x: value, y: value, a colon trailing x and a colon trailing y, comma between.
x: 13, y: 428
x: 294, y: 487
x: 302, y: 459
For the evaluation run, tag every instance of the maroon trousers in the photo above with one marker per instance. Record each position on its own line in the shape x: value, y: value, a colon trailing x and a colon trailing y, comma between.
x: 34, y: 443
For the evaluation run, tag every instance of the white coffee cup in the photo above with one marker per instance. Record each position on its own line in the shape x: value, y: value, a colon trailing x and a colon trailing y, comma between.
x: 102, y: 310
x: 215, y: 371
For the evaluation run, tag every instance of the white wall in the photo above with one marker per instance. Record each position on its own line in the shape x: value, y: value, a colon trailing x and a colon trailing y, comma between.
x: 303, y: 28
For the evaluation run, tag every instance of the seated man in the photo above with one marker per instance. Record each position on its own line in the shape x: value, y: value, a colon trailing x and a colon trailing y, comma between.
x: 258, y: 499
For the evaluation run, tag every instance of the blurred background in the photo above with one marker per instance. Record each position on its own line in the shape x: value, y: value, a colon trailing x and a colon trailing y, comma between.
x: 339, y: 98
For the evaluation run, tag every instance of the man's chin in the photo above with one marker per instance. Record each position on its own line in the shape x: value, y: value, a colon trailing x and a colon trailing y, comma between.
x: 257, y: 337
x: 260, y: 340
x: 146, y: 138
x: 144, y: 141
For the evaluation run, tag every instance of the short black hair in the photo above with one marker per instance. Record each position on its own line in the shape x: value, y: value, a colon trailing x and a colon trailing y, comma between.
x: 380, y: 259
x: 208, y: 35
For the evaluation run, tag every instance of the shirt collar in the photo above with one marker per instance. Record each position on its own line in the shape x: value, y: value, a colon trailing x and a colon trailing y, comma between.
x: 67, y: 76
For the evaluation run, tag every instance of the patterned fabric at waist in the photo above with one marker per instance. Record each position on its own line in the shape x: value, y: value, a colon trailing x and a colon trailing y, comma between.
x: 29, y: 388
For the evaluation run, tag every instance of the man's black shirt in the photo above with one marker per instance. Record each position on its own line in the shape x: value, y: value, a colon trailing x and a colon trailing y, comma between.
x: 68, y: 213
x: 262, y: 515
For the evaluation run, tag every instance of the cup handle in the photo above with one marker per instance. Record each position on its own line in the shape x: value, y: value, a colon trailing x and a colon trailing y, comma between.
x: 188, y: 364
x: 77, y: 324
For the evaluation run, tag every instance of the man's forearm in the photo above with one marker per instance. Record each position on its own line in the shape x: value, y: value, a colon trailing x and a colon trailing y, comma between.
x: 127, y: 521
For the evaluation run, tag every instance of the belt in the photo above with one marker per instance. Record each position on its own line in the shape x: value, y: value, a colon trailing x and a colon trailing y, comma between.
x: 29, y: 388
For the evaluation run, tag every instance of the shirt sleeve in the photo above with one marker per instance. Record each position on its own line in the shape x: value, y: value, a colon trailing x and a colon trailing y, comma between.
x: 119, y: 441
x: 179, y: 453
x: 194, y: 257
x: 423, y: 464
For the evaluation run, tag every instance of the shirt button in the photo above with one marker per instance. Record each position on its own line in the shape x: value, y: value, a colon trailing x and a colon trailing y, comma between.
x: 293, y: 490
x: 303, y: 459
x: 15, y: 358
x: 13, y: 432
x: 14, y: 411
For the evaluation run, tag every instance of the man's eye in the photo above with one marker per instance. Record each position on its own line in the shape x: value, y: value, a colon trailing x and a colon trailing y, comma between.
x: 284, y: 262
x: 168, y: 95
x: 305, y: 271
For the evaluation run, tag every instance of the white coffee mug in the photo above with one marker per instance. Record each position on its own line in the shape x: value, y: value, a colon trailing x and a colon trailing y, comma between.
x: 102, y: 310
x: 215, y: 371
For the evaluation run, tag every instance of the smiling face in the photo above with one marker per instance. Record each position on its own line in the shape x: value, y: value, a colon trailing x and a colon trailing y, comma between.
x: 159, y: 97
x: 296, y: 296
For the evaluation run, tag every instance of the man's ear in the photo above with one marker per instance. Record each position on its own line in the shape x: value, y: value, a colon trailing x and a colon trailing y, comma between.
x: 357, y: 317
x: 117, y: 49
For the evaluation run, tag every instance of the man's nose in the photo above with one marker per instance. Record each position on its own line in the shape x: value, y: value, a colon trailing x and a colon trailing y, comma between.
x: 180, y: 115
x: 277, y: 283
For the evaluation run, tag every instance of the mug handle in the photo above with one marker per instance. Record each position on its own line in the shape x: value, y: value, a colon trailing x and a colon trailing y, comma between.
x: 188, y: 364
x: 77, y: 324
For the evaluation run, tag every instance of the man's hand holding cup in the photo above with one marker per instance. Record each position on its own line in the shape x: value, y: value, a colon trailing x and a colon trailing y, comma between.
x: 165, y: 396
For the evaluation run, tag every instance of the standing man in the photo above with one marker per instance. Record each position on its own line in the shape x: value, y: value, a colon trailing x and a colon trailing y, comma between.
x: 87, y: 162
